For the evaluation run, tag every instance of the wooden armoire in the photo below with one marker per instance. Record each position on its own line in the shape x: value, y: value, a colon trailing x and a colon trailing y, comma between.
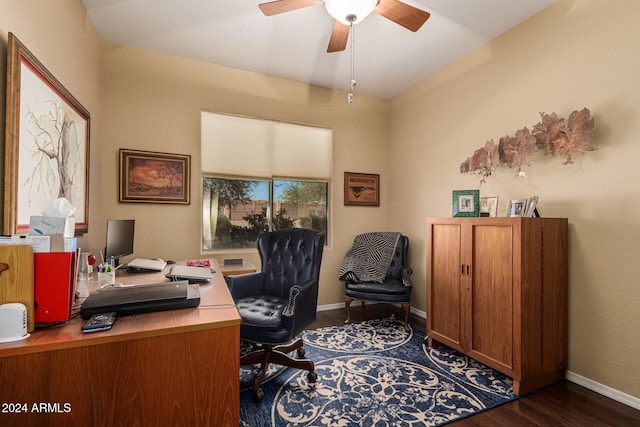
x: 497, y: 292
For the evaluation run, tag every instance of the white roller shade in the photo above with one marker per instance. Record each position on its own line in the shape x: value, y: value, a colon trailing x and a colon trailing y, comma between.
x: 263, y: 149
x: 301, y: 151
x: 235, y: 145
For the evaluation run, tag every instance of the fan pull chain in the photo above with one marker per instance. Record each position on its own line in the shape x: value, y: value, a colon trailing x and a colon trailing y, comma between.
x: 353, y: 83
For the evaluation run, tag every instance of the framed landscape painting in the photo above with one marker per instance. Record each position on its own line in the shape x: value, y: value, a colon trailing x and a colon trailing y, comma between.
x: 152, y: 177
x: 46, y: 145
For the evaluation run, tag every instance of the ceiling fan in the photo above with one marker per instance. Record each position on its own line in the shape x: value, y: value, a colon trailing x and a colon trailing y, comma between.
x: 350, y: 12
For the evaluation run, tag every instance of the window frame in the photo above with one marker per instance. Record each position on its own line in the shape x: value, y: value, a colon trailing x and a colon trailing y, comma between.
x: 269, y: 209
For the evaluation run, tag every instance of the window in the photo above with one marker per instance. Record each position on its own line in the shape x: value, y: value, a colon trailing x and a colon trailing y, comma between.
x: 260, y: 175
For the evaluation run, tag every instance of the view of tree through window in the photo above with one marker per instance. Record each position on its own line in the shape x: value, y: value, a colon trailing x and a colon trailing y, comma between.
x: 235, y: 212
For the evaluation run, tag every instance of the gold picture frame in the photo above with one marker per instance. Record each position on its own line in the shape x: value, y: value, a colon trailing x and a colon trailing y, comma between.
x: 46, y: 144
x: 153, y: 177
x: 361, y: 189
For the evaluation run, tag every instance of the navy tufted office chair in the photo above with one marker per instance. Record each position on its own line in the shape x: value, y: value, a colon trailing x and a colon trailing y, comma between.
x: 279, y: 302
x: 395, y: 288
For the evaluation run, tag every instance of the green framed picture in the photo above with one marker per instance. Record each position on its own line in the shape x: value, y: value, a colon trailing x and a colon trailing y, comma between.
x: 466, y: 203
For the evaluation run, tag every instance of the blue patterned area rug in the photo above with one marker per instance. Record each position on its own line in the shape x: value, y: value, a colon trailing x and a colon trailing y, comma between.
x: 373, y: 374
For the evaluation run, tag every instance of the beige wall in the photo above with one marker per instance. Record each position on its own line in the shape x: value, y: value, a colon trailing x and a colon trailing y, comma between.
x: 153, y: 101
x: 575, y: 54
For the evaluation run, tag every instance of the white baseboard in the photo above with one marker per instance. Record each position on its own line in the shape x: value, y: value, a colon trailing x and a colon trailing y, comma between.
x: 604, y: 390
x: 587, y: 383
x: 328, y: 307
x: 419, y: 313
x: 340, y: 305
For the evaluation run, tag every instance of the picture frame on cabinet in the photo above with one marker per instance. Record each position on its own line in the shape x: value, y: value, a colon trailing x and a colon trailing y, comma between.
x: 530, y: 209
x: 466, y: 203
x: 516, y: 208
x: 489, y: 206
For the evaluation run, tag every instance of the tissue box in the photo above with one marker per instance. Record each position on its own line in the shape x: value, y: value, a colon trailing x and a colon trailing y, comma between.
x: 45, y: 225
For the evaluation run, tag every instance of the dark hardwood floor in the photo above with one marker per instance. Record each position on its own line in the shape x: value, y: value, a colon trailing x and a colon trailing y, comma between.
x: 561, y: 404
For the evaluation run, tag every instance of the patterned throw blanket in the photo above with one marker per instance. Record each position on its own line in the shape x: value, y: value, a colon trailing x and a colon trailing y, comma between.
x: 370, y: 256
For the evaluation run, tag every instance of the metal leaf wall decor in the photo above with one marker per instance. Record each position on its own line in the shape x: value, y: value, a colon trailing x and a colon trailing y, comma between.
x: 553, y: 135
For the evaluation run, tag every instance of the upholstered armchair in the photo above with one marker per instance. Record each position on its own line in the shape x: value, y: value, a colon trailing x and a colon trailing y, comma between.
x: 277, y: 303
x: 375, y: 269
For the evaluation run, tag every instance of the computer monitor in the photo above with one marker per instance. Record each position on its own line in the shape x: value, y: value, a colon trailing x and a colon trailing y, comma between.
x: 119, y: 239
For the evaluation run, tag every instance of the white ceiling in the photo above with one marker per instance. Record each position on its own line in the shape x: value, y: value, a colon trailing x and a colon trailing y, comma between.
x: 235, y: 33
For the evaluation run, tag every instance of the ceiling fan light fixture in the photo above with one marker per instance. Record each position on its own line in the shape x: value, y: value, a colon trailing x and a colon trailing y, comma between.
x: 350, y: 12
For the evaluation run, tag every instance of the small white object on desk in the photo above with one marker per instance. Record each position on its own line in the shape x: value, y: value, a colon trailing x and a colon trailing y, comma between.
x: 13, y: 322
x: 148, y: 264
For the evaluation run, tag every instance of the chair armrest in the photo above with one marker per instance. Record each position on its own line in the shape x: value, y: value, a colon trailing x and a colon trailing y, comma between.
x: 298, y: 294
x: 290, y: 309
x: 301, y: 306
x: 245, y: 285
x: 406, y: 273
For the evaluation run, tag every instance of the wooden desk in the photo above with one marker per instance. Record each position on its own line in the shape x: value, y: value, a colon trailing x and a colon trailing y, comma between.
x: 232, y: 269
x: 177, y: 367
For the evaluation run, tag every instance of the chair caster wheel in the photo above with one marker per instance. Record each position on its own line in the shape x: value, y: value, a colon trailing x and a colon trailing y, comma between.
x: 301, y: 352
x: 312, y: 377
x: 259, y: 394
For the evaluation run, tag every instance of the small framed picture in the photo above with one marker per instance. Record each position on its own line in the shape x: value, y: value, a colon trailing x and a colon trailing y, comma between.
x: 530, y: 209
x: 489, y: 206
x: 516, y: 207
x: 361, y: 189
x: 466, y: 203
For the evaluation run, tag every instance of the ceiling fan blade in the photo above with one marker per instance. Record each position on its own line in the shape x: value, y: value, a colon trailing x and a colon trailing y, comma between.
x: 339, y: 37
x: 281, y: 6
x: 409, y: 17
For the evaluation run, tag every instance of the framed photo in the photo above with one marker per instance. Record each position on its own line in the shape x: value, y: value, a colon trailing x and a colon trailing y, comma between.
x: 489, y: 206
x: 516, y: 207
x: 530, y: 209
x: 466, y: 203
x: 46, y: 145
x: 361, y: 189
x: 151, y: 177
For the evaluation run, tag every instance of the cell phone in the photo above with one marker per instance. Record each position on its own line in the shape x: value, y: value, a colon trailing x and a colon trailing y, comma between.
x: 99, y: 322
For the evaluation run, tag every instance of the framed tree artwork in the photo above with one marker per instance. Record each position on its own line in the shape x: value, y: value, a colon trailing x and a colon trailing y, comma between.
x: 152, y: 177
x: 46, y: 144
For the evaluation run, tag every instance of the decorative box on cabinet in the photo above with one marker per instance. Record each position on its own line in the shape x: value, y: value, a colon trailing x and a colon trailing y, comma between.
x: 497, y: 292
